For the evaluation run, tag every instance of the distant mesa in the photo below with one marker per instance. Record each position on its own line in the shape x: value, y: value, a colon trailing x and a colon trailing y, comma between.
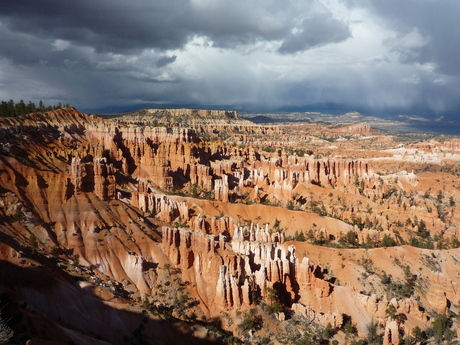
x: 197, y: 113
x: 188, y: 113
x: 355, y: 128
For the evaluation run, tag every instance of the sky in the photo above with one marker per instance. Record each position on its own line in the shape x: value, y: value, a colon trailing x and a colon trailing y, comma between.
x: 373, y: 56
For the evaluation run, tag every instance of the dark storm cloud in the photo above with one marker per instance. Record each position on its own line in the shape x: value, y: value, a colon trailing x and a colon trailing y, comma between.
x: 26, y: 49
x: 106, y: 25
x: 229, y: 24
x: 268, y: 53
x: 130, y: 26
x: 316, y: 31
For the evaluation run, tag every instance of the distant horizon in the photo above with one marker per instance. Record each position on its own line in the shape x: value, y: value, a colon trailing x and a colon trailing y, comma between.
x: 429, y: 127
x: 244, y: 109
x: 407, y: 122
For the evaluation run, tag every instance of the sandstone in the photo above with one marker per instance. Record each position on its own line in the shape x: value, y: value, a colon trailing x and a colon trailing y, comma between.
x: 129, y: 207
x: 391, y: 336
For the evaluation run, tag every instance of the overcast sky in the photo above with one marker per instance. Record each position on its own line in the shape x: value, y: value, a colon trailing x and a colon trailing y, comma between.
x: 369, y: 55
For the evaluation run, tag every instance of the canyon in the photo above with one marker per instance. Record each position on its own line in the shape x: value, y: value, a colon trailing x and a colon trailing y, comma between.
x: 195, y: 226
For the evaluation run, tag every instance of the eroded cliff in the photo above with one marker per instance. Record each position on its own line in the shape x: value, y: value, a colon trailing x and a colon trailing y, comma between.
x: 188, y: 228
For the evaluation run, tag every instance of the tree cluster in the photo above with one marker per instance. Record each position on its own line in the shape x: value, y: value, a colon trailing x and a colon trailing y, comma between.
x: 12, y: 109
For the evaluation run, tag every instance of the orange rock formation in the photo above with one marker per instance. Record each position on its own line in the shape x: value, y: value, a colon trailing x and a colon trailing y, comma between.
x: 128, y: 208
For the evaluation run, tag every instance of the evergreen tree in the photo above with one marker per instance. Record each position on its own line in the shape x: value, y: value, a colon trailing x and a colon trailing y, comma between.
x: 31, y: 107
x: 20, y: 108
x: 41, y: 106
x: 10, y: 109
x: 3, y: 109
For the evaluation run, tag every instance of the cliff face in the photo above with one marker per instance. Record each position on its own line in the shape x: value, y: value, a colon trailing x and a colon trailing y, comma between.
x: 167, y: 160
x: 238, y: 273
x: 355, y: 128
x: 229, y: 274
x: 128, y: 208
x: 212, y: 114
x: 96, y: 176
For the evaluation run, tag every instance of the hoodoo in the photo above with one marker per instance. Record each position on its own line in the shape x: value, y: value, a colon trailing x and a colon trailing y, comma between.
x: 197, y: 226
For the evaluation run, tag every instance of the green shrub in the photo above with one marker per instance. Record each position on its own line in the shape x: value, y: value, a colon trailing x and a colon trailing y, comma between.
x: 251, y: 321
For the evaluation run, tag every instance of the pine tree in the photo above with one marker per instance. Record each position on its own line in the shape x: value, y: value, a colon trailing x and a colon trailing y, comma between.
x: 41, y: 106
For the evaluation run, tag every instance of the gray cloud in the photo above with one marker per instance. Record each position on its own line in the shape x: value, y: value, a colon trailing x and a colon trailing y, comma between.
x: 435, y: 21
x: 374, y: 55
x: 127, y: 27
x: 319, y: 30
x: 106, y: 25
x: 165, y: 60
